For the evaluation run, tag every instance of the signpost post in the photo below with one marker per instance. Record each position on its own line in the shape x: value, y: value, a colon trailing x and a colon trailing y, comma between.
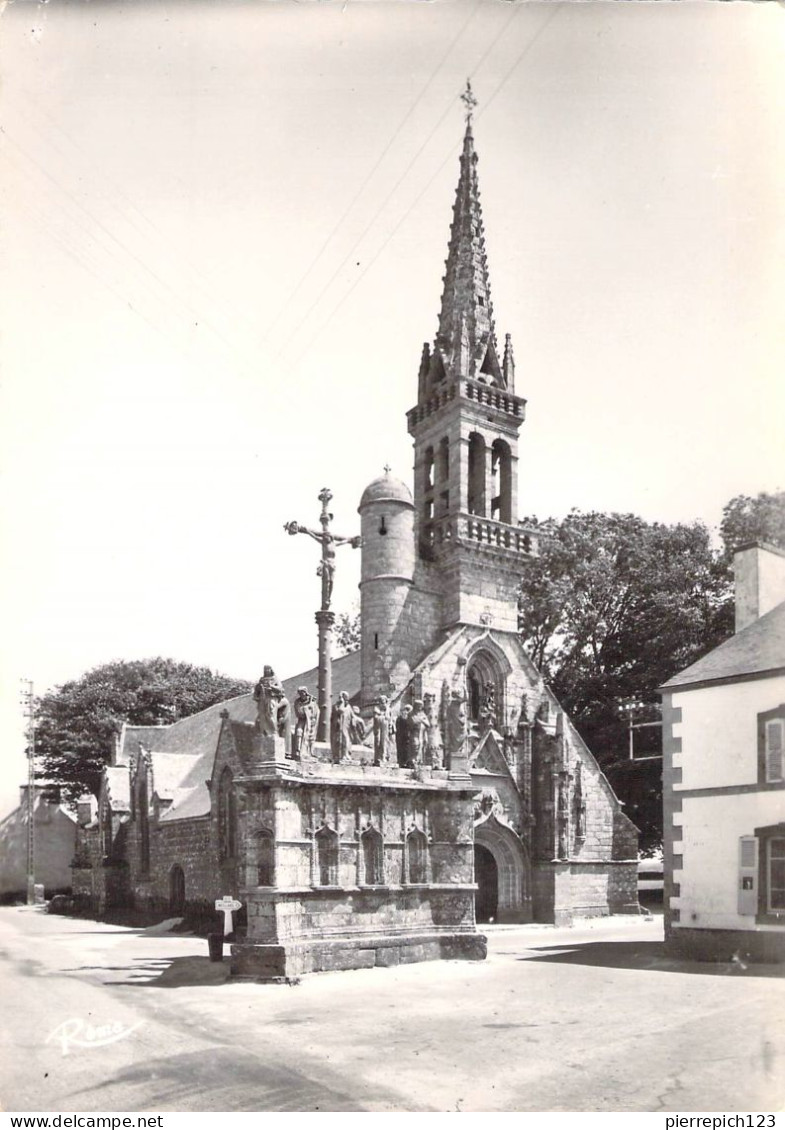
x: 228, y: 905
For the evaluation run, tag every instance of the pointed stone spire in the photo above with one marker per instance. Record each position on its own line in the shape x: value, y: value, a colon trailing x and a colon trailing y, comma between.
x: 508, y: 365
x: 466, y: 337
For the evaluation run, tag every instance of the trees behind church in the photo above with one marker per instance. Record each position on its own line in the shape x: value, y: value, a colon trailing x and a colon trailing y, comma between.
x: 614, y: 606
x: 77, y: 722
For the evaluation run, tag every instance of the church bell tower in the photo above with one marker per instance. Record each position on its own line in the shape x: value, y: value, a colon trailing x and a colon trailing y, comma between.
x: 465, y: 426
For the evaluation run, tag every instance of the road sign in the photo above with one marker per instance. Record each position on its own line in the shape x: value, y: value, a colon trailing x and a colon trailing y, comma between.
x: 228, y: 905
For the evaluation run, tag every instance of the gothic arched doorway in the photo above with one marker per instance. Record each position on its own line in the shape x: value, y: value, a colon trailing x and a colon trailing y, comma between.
x: 176, y: 890
x: 511, y: 863
x: 486, y: 876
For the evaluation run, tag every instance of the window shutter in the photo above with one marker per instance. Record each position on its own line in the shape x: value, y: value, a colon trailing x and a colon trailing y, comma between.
x: 748, y: 875
x: 774, y: 743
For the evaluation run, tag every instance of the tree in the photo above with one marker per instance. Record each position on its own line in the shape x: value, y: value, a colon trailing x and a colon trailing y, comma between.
x: 746, y: 519
x: 347, y: 631
x: 77, y: 722
x: 611, y: 608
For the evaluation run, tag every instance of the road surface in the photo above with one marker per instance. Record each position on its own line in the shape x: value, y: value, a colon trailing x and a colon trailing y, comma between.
x: 102, y: 1018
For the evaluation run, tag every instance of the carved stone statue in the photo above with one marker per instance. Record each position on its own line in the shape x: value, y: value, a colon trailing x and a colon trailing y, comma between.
x: 357, y: 726
x: 383, y: 729
x: 434, y: 748
x: 341, y: 723
x: 486, y: 717
x: 272, y: 705
x: 418, y: 727
x: 306, y: 713
x: 403, y: 737
x: 523, y: 718
x: 487, y: 804
x: 456, y: 723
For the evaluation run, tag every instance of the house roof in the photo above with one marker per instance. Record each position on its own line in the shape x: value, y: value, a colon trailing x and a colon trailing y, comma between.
x: 756, y: 650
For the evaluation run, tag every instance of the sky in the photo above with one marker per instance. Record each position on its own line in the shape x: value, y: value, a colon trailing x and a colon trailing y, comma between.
x: 222, y: 236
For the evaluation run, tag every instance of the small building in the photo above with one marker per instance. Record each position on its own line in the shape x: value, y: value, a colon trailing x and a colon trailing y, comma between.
x: 724, y: 780
x: 54, y: 836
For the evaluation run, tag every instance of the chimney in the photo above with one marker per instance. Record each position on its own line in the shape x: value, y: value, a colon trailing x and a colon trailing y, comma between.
x: 759, y: 573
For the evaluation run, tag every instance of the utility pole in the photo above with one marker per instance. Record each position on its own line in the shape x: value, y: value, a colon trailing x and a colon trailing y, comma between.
x: 28, y: 702
x: 631, y: 708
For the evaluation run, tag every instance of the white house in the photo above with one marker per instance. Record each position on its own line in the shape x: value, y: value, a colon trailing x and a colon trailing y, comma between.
x: 724, y: 780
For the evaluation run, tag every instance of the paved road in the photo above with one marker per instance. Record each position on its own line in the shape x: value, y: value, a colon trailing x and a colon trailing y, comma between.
x: 593, y: 1018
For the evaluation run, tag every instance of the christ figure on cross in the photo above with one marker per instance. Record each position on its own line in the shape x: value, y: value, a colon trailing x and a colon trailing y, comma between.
x: 328, y: 541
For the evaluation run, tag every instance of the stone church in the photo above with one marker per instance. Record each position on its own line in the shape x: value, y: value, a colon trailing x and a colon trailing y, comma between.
x: 441, y: 785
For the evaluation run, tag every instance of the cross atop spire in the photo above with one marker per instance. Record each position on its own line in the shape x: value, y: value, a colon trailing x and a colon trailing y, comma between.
x: 469, y: 101
x: 466, y: 341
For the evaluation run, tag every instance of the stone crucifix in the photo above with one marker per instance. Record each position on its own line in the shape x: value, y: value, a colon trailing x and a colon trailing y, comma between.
x: 325, y: 617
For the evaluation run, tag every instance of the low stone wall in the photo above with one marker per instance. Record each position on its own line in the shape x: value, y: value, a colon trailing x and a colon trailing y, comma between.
x: 287, y: 962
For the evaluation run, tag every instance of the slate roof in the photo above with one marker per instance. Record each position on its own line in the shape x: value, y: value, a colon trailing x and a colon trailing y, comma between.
x: 757, y: 649
x: 171, y: 771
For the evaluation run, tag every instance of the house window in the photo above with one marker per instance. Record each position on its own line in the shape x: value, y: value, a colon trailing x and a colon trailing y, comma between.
x: 775, y: 875
x: 770, y: 874
x: 774, y: 748
x: 771, y: 746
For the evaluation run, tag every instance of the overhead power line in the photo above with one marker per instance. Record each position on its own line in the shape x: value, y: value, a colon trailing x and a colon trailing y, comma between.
x: 383, y: 205
x: 427, y: 186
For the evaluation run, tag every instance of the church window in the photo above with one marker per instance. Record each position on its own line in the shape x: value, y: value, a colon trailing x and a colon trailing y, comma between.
x: 429, y: 468
x: 475, y: 694
x: 326, y: 857
x: 477, y: 474
x: 484, y: 689
x: 375, y: 641
x: 501, y: 466
x: 264, y: 858
x: 227, y: 816
x: 417, y: 852
x: 373, y: 857
x: 106, y: 830
x: 144, y: 830
x: 176, y: 890
x: 382, y: 526
x: 444, y: 459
